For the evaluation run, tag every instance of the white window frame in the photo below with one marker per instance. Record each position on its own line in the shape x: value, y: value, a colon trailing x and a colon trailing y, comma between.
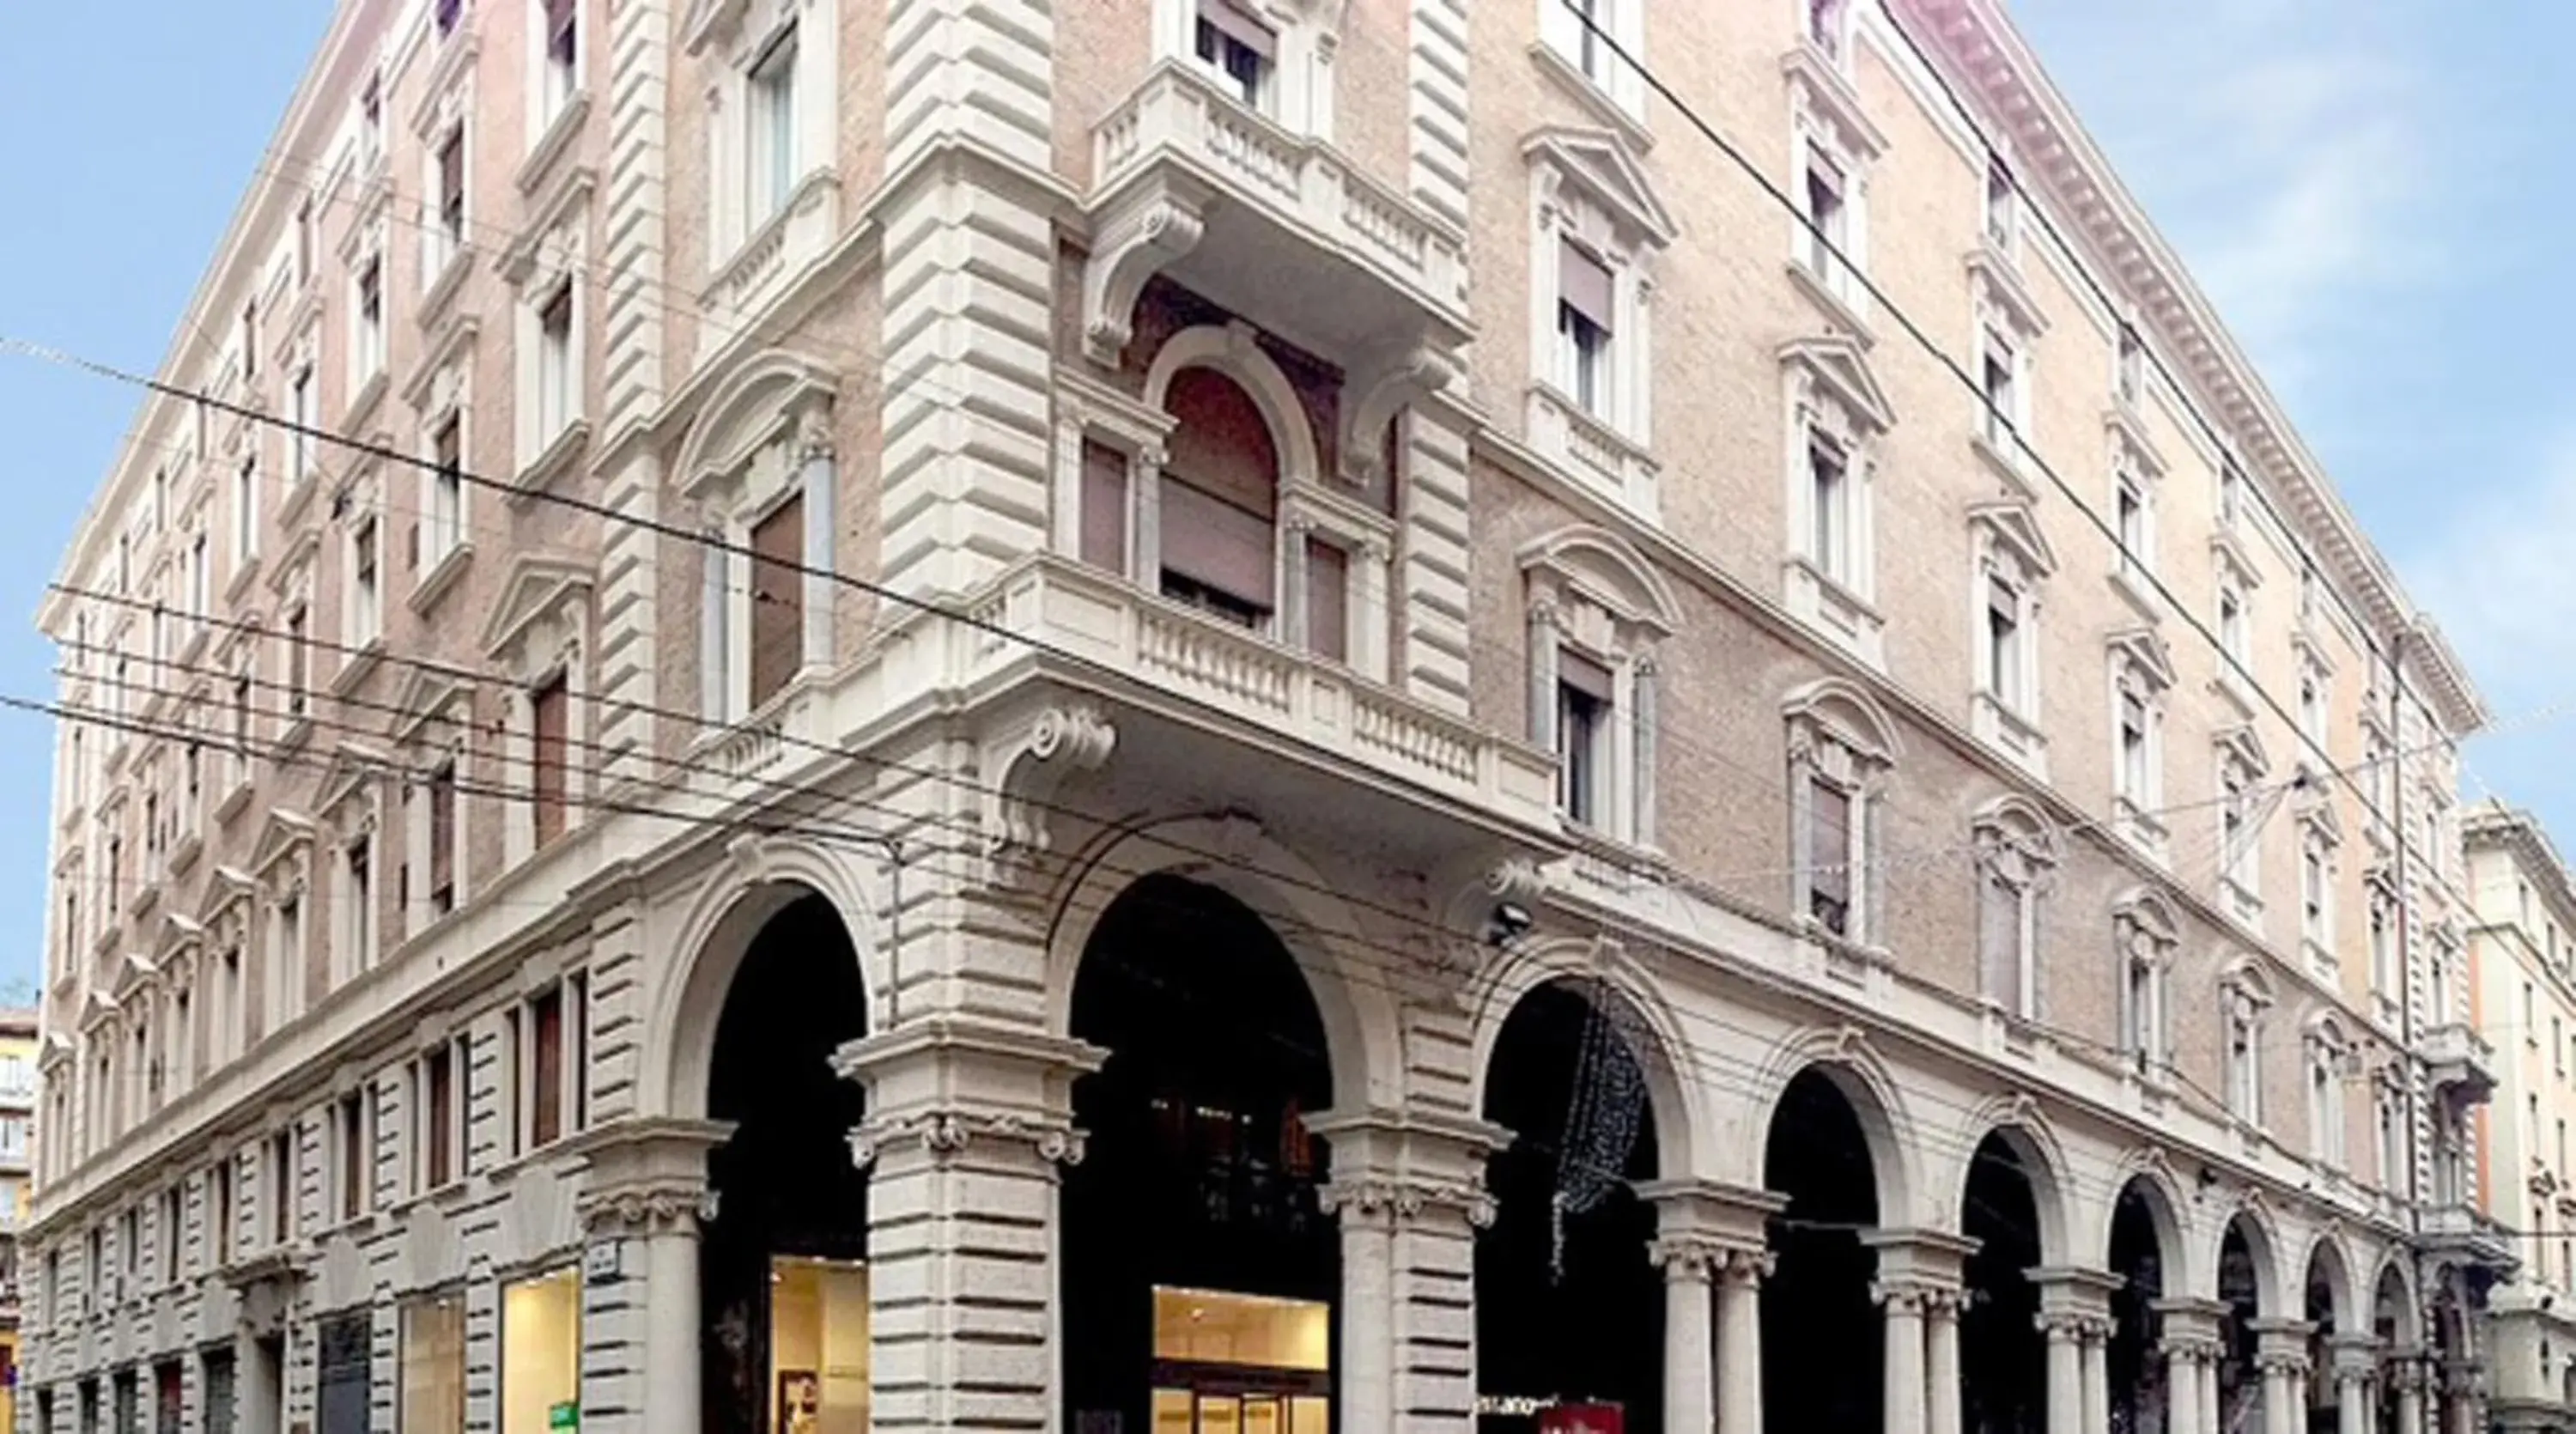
x: 2000, y: 203
x: 366, y: 334
x: 1590, y: 195
x: 362, y: 620
x: 2017, y: 853
x: 554, y: 86
x: 2328, y: 1053
x: 1834, y: 406
x: 2010, y: 556
x: 1297, y: 92
x: 1592, y: 595
x: 2245, y: 1002
x: 2145, y: 937
x: 746, y: 267
x: 445, y: 503
x: 1584, y: 58
x: 2243, y: 813
x: 1839, y: 738
x: 793, y: 458
x: 2317, y: 878
x: 1827, y: 27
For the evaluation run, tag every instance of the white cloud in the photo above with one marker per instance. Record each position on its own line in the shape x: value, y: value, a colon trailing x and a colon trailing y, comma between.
x: 2500, y: 577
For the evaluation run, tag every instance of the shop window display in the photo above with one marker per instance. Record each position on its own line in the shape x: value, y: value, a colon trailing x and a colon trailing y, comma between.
x: 541, y: 1353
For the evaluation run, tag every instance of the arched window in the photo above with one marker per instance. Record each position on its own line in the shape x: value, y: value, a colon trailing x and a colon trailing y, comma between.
x: 2016, y: 856
x: 2329, y: 1054
x: 2245, y: 999
x: 1841, y: 748
x: 1220, y: 500
x: 2143, y: 931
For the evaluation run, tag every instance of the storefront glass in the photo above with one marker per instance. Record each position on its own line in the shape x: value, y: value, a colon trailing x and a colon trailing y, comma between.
x: 818, y: 1345
x: 433, y: 1365
x: 541, y: 1354
x: 1241, y: 1364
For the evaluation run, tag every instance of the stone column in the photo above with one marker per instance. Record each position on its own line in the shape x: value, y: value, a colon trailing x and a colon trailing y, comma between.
x: 2281, y: 1356
x: 1918, y: 1273
x: 1941, y: 1334
x: 2065, y: 1335
x: 2189, y: 1340
x: 642, y: 1198
x: 2097, y: 1376
x: 968, y: 1129
x: 2356, y: 1361
x: 1408, y: 1188
x: 1739, y: 1343
x: 1691, y: 1264
x: 1903, y: 1387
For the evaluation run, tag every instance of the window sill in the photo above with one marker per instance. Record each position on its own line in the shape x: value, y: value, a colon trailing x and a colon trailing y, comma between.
x: 1841, y: 315
x: 1596, y: 101
x: 442, y: 575
x: 786, y: 241
x: 1594, y: 451
x: 1995, y: 271
x: 2130, y: 581
x: 2017, y: 737
x: 299, y: 496
x: 2321, y: 961
x: 558, y: 457
x: 184, y: 856
x: 234, y: 801
x: 361, y: 660
x: 299, y: 729
x: 1841, y: 615
x: 143, y: 899
x: 2242, y: 905
x: 550, y: 145
x: 2232, y: 685
x: 362, y: 407
x: 2001, y: 462
x: 441, y: 290
x: 2142, y: 828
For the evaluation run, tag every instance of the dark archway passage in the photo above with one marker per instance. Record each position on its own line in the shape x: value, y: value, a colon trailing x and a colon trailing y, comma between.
x: 1199, y: 1271
x: 1816, y: 1304
x: 2138, y: 1391
x: 2325, y: 1390
x: 2240, y: 1388
x: 782, y: 1266
x: 2003, y: 1361
x: 2395, y: 1326
x: 1568, y: 1308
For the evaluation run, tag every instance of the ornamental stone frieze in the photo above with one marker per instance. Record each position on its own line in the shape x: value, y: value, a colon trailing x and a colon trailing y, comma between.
x: 1401, y: 1199
x: 945, y: 1134
x: 640, y: 1211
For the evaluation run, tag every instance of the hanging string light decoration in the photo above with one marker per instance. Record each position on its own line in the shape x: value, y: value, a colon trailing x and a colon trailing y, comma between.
x: 1603, y: 1114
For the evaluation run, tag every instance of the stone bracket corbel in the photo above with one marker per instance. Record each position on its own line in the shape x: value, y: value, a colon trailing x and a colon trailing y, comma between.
x: 1383, y: 391
x: 1138, y: 236
x: 1032, y: 761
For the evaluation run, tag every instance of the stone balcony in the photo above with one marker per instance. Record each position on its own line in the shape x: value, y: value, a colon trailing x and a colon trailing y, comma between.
x: 2460, y: 1060
x: 2457, y: 1229
x: 1180, y: 673
x: 1277, y: 226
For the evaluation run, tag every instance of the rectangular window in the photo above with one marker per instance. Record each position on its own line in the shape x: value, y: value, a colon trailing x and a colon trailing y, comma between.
x: 2130, y: 510
x: 371, y: 318
x: 555, y: 398
x: 359, y: 861
x: 1104, y: 506
x: 250, y: 341
x: 304, y: 241
x: 1829, y: 849
x: 2134, y: 780
x: 777, y: 598
x: 2000, y: 928
x: 2002, y: 205
x: 1829, y: 496
x: 1828, y: 229
x: 451, y: 195
x: 448, y: 13
x: 1825, y: 27
x: 438, y: 1131
x: 2003, y: 644
x: 2002, y: 414
x: 1218, y: 555
x: 305, y: 412
x: 442, y: 838
x: 1583, y: 710
x: 2232, y: 636
x: 2231, y: 496
x: 350, y: 1120
x: 2312, y: 894
x: 219, y: 1217
x: 563, y: 53
x: 433, y: 1365
x: 540, y: 1353
x: 546, y: 1061
x: 772, y: 151
x: 446, y: 487
x: 1328, y: 597
x: 1237, y: 48
x: 246, y: 512
x: 281, y: 1187
x: 366, y: 592
x: 299, y: 663
x: 2129, y: 375
x: 1583, y: 326
x: 549, y: 713
x: 174, y: 1210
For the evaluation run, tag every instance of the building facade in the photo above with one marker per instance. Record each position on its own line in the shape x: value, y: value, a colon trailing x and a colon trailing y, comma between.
x: 18, y: 1054
x: 2521, y: 941
x: 1237, y: 713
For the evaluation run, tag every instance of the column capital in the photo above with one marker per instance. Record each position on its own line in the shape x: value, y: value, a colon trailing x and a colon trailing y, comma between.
x: 2192, y: 1348
x: 1395, y: 1165
x: 1733, y: 1215
x: 1748, y: 1268
x: 2356, y: 1356
x: 1938, y: 1258
x: 2072, y: 1326
x: 1913, y: 1295
x: 638, y: 1211
x: 1405, y: 1198
x: 1695, y: 1258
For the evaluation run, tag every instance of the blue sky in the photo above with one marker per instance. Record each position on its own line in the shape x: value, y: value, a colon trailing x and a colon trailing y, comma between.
x: 2370, y: 190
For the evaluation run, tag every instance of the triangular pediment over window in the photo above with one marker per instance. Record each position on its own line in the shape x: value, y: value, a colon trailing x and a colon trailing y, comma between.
x: 2244, y: 744
x: 2016, y: 527
x: 1837, y: 365
x: 540, y: 586
x: 283, y: 835
x: 96, y: 1010
x: 430, y: 696
x: 132, y: 973
x: 352, y: 768
x: 2149, y: 654
x: 2314, y: 801
x: 1599, y: 163
x: 229, y: 887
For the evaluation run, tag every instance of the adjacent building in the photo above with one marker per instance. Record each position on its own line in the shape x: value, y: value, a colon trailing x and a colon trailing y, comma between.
x: 2521, y: 945
x: 18, y: 1056
x: 1216, y: 714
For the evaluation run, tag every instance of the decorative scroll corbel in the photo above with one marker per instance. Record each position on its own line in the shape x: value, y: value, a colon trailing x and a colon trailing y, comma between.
x: 1135, y: 244
x: 1383, y: 392
x: 1032, y: 762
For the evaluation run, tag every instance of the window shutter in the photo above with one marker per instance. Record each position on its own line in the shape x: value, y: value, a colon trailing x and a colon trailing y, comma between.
x: 549, y: 710
x: 1104, y: 507
x: 545, y: 1102
x: 1583, y: 284
x: 1210, y: 541
x: 1328, y: 580
x: 1234, y: 22
x: 442, y: 839
x: 1584, y: 675
x: 777, y: 598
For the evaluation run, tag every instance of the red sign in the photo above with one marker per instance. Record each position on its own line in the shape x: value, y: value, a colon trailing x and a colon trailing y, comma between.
x: 1583, y: 1419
